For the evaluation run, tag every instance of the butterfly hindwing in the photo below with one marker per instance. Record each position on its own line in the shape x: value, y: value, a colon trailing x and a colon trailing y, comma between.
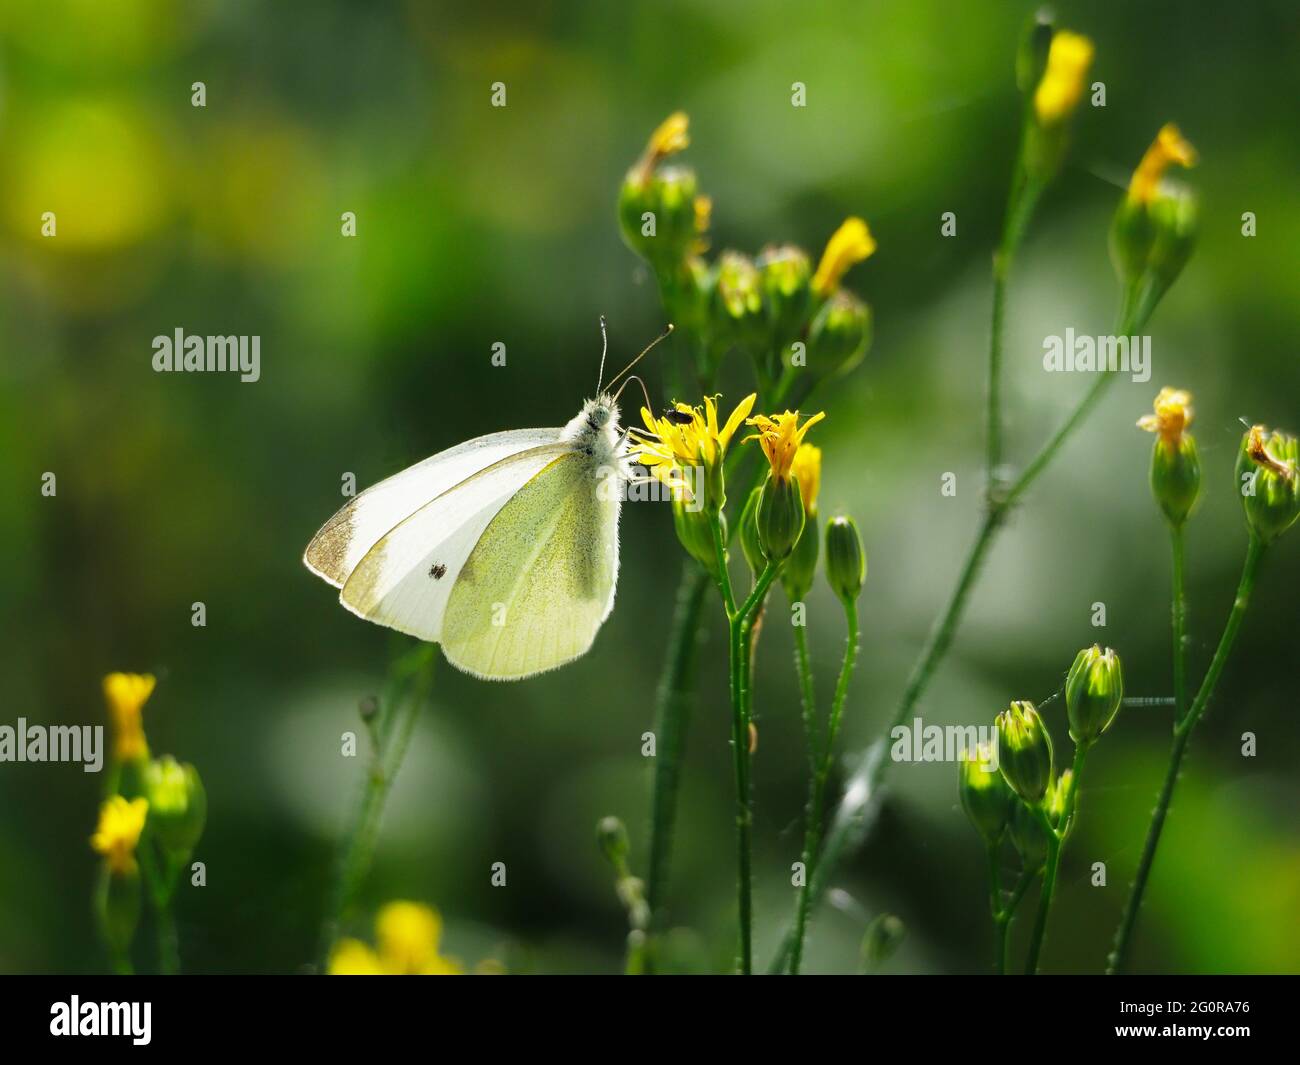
x: 540, y: 581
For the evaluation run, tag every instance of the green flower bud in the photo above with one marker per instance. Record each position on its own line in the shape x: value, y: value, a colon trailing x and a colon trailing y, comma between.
x: 786, y: 275
x: 801, y: 567
x: 846, y: 564
x: 985, y: 795
x: 695, y: 532
x: 1025, y: 750
x: 1268, y: 473
x: 1028, y: 835
x: 883, y: 935
x: 1094, y: 690
x: 659, y: 215
x: 611, y: 835
x: 779, y: 517
x: 1175, y: 463
x: 1175, y: 217
x: 117, y: 907
x: 738, y: 315
x: 1031, y: 56
x: 178, y: 805
x: 750, y: 544
x: 840, y: 334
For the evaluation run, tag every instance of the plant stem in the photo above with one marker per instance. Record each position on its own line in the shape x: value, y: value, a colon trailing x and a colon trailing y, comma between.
x: 672, y: 716
x: 817, y: 805
x: 1179, y: 622
x: 1056, y: 837
x: 409, y: 684
x: 1002, y: 918
x: 1119, y: 955
x: 1020, y: 209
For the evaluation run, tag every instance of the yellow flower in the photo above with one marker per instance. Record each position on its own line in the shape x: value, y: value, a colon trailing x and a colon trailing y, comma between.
x: 408, y: 935
x: 120, y: 824
x: 807, y: 469
x: 1168, y: 147
x: 1061, y: 87
x: 686, y: 438
x: 1173, y: 414
x: 670, y: 137
x: 849, y: 244
x: 780, y: 437
x: 126, y: 694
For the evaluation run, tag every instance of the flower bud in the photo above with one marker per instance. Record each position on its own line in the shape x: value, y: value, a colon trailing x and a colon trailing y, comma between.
x: 1035, y: 41
x: 846, y: 564
x: 659, y: 215
x: 178, y: 805
x: 1028, y: 835
x: 738, y: 315
x: 801, y: 567
x: 1054, y: 102
x: 1175, y: 463
x: 883, y: 935
x: 1094, y: 690
x: 750, y: 545
x: 695, y: 532
x: 611, y: 835
x: 786, y: 274
x: 779, y: 517
x: 840, y: 334
x: 1025, y: 750
x: 1268, y: 473
x: 985, y: 795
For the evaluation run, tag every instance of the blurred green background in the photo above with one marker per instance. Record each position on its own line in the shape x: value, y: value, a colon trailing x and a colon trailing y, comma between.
x: 478, y: 225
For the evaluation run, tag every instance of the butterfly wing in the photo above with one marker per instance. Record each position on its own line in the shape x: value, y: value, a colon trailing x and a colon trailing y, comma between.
x: 540, y: 580
x: 405, y: 579
x: 344, y: 540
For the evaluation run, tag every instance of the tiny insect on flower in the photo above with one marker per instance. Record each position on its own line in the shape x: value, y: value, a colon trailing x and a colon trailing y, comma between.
x: 850, y: 244
x: 120, y: 823
x: 126, y: 694
x: 689, y: 438
x: 1061, y: 88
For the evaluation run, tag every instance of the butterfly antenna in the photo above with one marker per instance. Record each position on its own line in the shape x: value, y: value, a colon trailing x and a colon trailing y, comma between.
x: 662, y: 336
x: 644, y: 391
x: 604, y: 347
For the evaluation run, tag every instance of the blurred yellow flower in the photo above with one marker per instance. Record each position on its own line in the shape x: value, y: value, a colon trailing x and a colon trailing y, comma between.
x: 408, y: 935
x: 780, y: 437
x: 1168, y: 147
x: 1061, y: 87
x: 670, y: 137
x: 807, y: 470
x: 1173, y: 414
x: 120, y: 823
x: 126, y: 694
x: 849, y: 244
x: 686, y: 437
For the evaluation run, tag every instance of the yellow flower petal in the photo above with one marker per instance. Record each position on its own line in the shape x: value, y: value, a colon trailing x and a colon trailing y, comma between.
x: 120, y: 823
x: 351, y: 957
x: 1173, y: 414
x: 407, y: 935
x: 1168, y: 148
x: 126, y: 694
x: 1061, y: 87
x: 849, y: 244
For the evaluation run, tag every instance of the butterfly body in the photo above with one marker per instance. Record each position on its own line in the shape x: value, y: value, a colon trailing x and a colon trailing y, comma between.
x: 504, y: 549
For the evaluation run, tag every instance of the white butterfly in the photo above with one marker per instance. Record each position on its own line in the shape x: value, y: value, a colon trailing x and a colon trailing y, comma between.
x: 504, y: 549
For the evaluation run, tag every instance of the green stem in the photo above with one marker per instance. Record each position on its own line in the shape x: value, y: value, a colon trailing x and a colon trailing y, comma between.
x: 1119, y: 955
x: 1179, y: 623
x: 1003, y: 918
x: 816, y: 811
x: 1056, y: 837
x: 672, y: 716
x: 410, y: 681
x: 807, y: 696
x: 1024, y: 198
